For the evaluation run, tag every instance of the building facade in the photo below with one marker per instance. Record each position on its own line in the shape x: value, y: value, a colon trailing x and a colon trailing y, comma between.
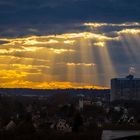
x: 125, y: 88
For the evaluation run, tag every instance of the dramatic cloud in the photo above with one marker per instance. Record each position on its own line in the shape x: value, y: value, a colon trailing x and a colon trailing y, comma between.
x: 127, y: 24
x: 89, y: 57
x: 36, y: 12
x: 77, y: 43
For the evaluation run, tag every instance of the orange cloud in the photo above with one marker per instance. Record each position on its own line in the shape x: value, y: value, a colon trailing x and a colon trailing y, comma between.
x: 47, y: 85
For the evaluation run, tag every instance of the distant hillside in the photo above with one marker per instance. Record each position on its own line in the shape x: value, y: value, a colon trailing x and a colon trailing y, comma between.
x: 28, y: 92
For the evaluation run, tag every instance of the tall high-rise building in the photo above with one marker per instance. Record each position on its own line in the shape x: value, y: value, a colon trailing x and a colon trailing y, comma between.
x: 125, y: 88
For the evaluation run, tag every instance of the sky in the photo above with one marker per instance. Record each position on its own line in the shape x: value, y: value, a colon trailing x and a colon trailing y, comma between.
x: 68, y: 43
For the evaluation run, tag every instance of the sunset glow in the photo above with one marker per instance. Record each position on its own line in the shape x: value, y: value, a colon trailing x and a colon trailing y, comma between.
x: 80, y: 59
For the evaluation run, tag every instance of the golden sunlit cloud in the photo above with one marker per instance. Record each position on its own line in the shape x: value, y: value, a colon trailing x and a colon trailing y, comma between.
x: 69, y: 42
x: 32, y: 49
x: 35, y: 42
x: 21, y: 66
x: 129, y: 31
x: 22, y: 49
x: 100, y: 44
x: 96, y: 25
x: 9, y: 59
x: 47, y: 85
x: 12, y: 74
